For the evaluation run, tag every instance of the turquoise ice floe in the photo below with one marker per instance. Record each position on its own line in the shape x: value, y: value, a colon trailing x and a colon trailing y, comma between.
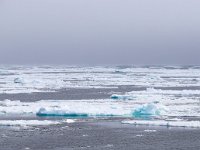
x: 43, y: 112
x: 60, y: 113
x: 70, y: 115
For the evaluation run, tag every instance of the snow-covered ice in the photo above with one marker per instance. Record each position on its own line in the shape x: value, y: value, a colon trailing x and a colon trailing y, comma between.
x: 68, y: 108
x: 24, y: 123
x: 51, y: 78
x: 190, y: 124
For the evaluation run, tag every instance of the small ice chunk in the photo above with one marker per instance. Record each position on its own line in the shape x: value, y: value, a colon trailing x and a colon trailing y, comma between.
x: 19, y: 80
x: 121, y: 97
x: 84, y: 135
x: 139, y: 135
x: 65, y: 127
x: 150, y: 131
x: 69, y: 120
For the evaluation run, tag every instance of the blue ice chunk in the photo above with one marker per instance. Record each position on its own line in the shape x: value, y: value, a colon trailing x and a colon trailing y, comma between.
x: 148, y: 110
x: 121, y: 97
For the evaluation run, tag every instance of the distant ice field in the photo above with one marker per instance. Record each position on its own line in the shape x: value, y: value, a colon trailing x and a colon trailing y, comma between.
x: 161, y: 93
x: 21, y: 79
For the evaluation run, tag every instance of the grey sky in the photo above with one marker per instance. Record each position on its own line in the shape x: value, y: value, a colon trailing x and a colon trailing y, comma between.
x: 100, y: 31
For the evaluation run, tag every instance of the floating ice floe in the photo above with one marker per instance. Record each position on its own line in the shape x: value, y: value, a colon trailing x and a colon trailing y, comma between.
x: 69, y: 121
x: 139, y: 108
x: 172, y: 92
x: 122, y: 97
x: 33, y: 122
x: 191, y: 124
x: 68, y: 108
x: 74, y: 114
x: 150, y: 131
x: 150, y: 109
x: 45, y: 112
x: 153, y: 91
x: 7, y: 103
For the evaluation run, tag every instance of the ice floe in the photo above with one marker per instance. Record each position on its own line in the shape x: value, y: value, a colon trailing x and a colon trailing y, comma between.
x: 103, y: 108
x: 176, y: 90
x: 68, y: 108
x: 191, y: 124
x: 45, y: 112
x: 150, y: 131
x: 165, y: 92
x: 24, y: 123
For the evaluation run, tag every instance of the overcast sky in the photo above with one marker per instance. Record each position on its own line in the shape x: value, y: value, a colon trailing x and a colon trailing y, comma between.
x: 100, y: 32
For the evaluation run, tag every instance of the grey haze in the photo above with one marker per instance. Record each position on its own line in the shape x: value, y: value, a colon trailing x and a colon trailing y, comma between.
x: 99, y: 32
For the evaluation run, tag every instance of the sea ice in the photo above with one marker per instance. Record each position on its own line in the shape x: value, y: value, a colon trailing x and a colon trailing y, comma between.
x: 191, y: 124
x: 8, y: 103
x: 27, y: 122
x: 24, y: 123
x: 140, y: 107
x: 69, y: 108
x: 52, y: 78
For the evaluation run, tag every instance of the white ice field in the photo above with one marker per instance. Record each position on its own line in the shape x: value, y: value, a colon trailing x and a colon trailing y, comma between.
x: 171, y: 96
